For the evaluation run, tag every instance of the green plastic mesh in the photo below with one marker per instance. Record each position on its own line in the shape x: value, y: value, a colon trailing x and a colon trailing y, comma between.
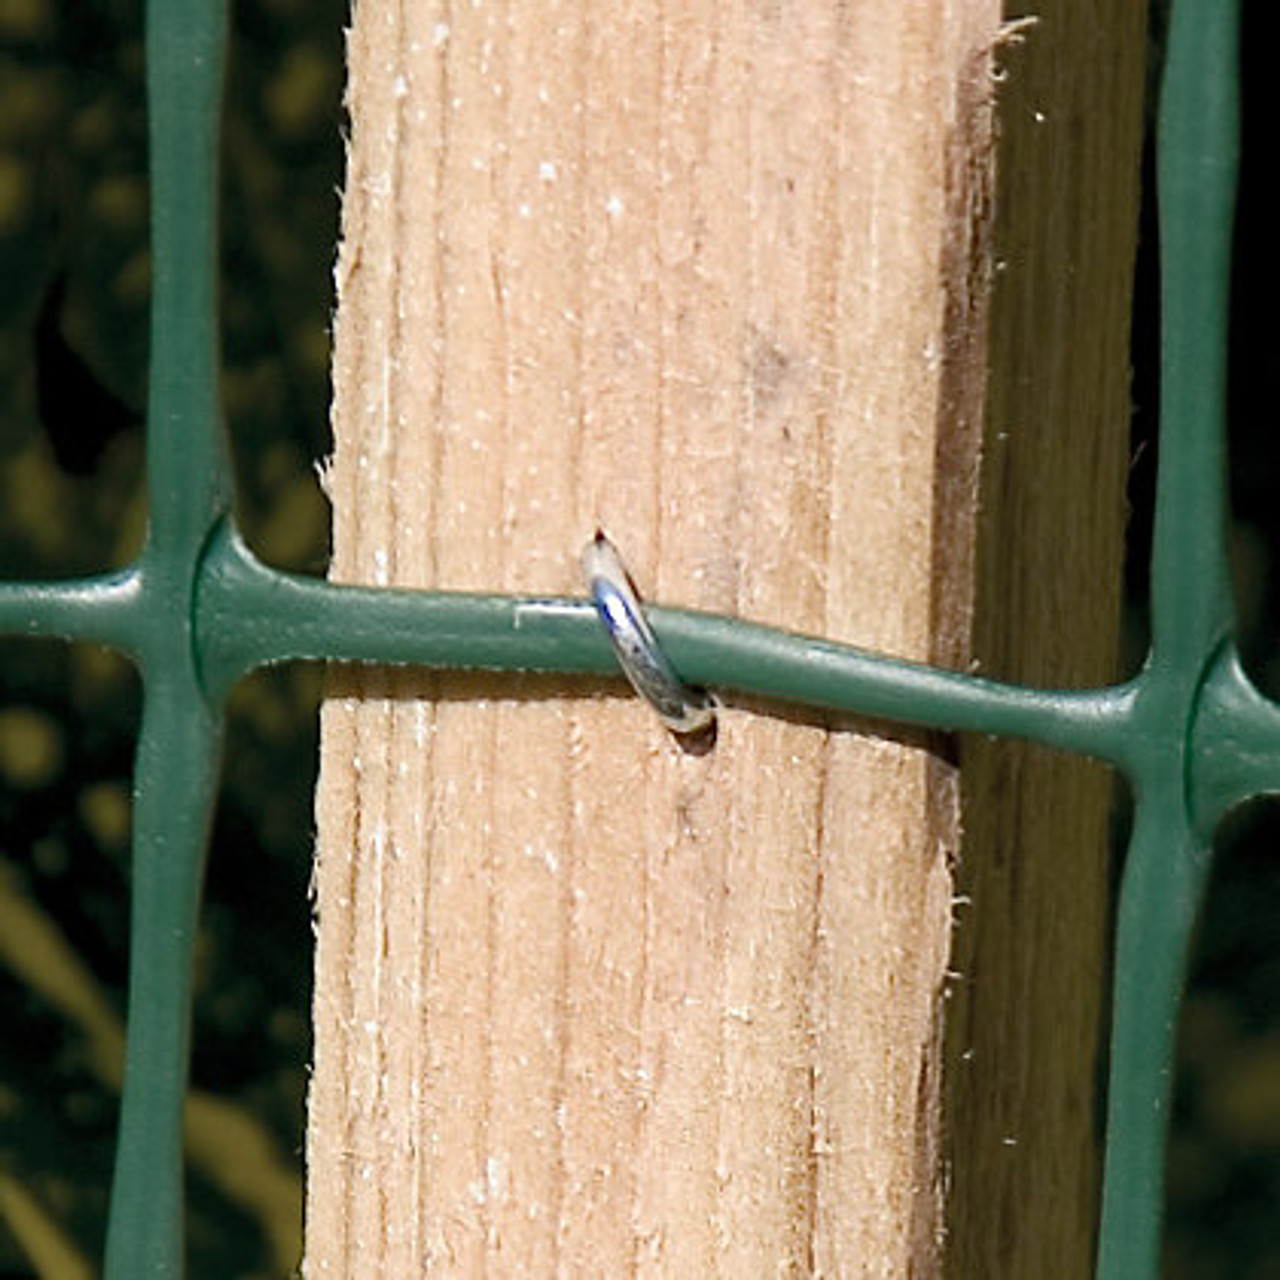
x: 196, y: 611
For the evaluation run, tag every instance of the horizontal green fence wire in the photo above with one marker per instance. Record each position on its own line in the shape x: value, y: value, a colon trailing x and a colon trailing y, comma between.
x: 197, y: 611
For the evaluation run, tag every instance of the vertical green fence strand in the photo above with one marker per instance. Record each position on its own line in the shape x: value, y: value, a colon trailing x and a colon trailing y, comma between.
x: 1191, y: 606
x: 197, y: 611
x: 176, y: 772
x: 188, y: 476
x: 177, y: 768
x: 1167, y: 863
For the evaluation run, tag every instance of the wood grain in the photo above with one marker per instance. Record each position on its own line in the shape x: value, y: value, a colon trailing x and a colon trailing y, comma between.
x: 1025, y: 1023
x: 714, y: 277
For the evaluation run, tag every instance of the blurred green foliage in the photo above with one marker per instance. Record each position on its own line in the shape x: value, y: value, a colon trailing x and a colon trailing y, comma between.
x: 73, y: 347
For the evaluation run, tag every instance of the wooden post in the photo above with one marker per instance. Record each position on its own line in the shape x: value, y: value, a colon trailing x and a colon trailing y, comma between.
x: 716, y: 278
x: 1026, y: 1017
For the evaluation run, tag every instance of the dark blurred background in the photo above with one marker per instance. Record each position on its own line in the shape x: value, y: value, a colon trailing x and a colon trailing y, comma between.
x: 73, y: 346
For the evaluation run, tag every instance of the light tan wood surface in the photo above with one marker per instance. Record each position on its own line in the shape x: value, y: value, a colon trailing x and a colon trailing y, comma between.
x: 714, y: 277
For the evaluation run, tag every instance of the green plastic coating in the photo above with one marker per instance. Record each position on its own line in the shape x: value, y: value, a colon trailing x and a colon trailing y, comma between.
x: 198, y: 611
x: 250, y: 615
x: 1166, y: 868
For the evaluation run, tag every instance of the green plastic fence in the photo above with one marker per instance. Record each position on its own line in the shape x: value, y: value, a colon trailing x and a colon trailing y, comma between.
x: 197, y: 610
